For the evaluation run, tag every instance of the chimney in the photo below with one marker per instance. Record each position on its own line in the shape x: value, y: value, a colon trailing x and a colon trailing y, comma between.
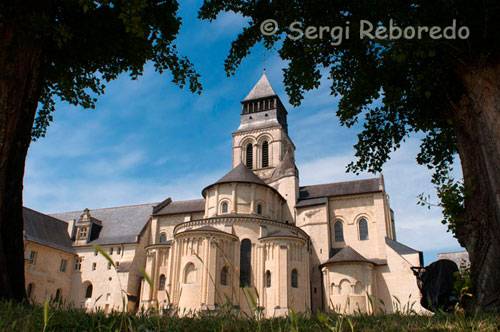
x: 71, y: 228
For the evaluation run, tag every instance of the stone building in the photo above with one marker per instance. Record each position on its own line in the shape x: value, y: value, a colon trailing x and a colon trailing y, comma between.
x: 255, y: 235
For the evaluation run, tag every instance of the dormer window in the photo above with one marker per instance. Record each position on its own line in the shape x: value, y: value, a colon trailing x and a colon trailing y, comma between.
x: 82, y: 234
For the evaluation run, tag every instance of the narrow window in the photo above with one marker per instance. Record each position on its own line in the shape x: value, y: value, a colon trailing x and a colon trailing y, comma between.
x: 96, y: 252
x: 57, y: 298
x: 249, y: 155
x: 88, y: 292
x: 223, y: 276
x: 109, y: 265
x: 161, y: 286
x: 163, y: 238
x: 259, y: 208
x: 363, y: 229
x: 265, y: 154
x: 33, y: 255
x: 224, y: 207
x: 268, y: 279
x: 339, y: 232
x: 118, y: 250
x: 30, y: 289
x: 94, y: 266
x: 295, y: 279
x: 245, y: 267
x: 62, y: 267
x: 111, y: 251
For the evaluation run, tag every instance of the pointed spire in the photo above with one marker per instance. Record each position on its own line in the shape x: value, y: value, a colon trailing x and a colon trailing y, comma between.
x: 262, y: 89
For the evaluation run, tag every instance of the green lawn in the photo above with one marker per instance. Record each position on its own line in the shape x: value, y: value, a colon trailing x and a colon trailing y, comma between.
x: 19, y: 317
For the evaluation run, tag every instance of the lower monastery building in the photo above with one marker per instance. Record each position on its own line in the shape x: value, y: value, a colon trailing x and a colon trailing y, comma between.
x: 254, y: 233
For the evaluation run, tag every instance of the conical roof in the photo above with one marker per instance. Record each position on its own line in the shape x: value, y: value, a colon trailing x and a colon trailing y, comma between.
x: 261, y: 90
x: 286, y: 167
x: 347, y: 255
x: 240, y: 173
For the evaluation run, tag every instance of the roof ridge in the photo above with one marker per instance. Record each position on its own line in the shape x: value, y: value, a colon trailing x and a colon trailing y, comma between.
x: 323, y: 184
x: 107, y: 208
x: 48, y: 215
x: 189, y: 200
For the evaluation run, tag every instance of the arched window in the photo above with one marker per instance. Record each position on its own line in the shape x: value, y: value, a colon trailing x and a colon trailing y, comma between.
x: 30, y: 290
x: 265, y: 154
x: 259, y: 208
x: 223, y: 276
x: 295, y: 279
x: 190, y: 274
x: 363, y: 229
x: 268, y: 278
x: 249, y: 156
x: 163, y: 238
x: 88, y: 292
x: 339, y: 232
x: 161, y: 285
x: 58, y: 296
x: 224, y: 207
x: 245, y: 267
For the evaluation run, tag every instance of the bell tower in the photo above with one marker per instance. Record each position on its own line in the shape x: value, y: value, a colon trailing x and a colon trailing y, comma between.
x: 261, y: 141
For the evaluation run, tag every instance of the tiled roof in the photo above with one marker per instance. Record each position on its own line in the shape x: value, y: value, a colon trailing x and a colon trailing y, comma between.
x: 119, y: 224
x: 347, y: 255
x: 46, y: 230
x: 261, y: 90
x: 196, y: 205
x: 340, y: 188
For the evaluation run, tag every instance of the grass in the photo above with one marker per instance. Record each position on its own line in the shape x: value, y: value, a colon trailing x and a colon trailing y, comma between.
x: 55, y: 317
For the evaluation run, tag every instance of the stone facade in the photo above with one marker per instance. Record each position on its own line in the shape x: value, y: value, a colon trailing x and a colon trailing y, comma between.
x: 256, y: 239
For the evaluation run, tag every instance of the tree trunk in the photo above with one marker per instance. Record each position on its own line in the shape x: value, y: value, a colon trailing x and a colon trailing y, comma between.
x: 477, y: 125
x: 20, y: 84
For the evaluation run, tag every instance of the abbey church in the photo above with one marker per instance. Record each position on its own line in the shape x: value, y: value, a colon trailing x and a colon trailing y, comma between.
x: 256, y: 238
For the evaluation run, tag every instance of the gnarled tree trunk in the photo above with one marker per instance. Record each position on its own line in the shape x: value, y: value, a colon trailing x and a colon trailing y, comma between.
x: 477, y: 125
x: 20, y: 84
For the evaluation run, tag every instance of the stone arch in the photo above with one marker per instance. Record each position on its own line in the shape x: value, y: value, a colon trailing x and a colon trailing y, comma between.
x: 338, y: 231
x: 190, y: 273
x: 345, y: 287
x: 88, y: 289
x: 244, y: 145
x: 359, y: 288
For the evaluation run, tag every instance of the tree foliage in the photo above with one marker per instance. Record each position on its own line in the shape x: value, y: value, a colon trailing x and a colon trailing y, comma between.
x: 88, y: 43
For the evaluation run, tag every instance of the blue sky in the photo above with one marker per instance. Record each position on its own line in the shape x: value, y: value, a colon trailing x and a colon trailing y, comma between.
x: 148, y: 140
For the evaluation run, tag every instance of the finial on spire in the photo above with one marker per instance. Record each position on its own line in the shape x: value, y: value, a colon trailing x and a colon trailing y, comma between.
x: 264, y: 62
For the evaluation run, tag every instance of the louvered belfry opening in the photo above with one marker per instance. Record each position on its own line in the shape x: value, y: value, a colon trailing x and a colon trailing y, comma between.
x: 265, y: 154
x: 249, y: 162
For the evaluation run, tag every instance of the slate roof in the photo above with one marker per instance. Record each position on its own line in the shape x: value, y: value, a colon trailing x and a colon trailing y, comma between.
x: 46, y: 230
x: 286, y: 167
x: 261, y: 90
x: 205, y: 229
x: 310, y: 202
x: 196, y: 205
x: 119, y: 224
x: 340, y: 188
x: 347, y: 255
x: 240, y: 173
x: 400, y: 248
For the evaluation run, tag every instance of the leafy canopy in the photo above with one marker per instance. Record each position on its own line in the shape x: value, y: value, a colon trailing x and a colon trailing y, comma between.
x: 87, y: 43
x: 416, y: 80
